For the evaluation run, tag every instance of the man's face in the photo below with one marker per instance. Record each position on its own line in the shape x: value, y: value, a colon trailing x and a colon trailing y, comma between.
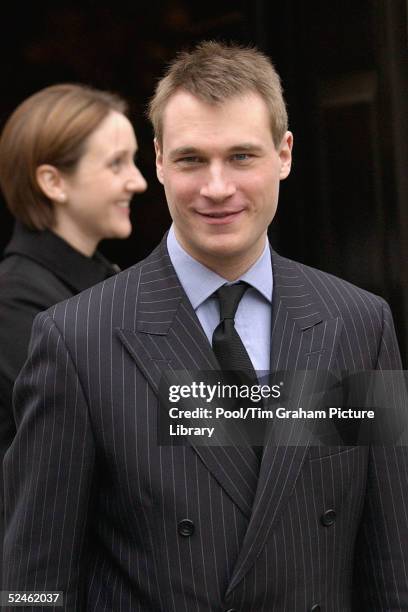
x: 221, y: 172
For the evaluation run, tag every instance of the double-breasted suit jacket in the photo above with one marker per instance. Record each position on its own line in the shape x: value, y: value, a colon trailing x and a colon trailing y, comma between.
x: 98, y: 510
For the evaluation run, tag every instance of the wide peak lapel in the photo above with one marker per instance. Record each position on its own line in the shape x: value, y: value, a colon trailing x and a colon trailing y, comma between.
x: 304, y: 332
x: 159, y: 294
x: 167, y: 336
x: 165, y: 332
x: 294, y: 310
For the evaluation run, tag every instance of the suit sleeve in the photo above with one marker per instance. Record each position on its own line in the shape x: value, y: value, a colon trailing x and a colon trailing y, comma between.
x: 16, y: 318
x: 48, y: 471
x: 381, y: 563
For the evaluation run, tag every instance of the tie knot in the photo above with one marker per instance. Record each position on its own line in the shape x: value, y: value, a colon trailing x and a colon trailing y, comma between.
x: 229, y: 297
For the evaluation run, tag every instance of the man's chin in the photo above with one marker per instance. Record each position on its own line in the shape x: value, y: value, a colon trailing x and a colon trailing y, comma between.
x: 216, y: 251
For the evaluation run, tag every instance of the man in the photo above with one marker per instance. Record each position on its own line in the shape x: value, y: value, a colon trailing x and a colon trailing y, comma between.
x: 96, y: 508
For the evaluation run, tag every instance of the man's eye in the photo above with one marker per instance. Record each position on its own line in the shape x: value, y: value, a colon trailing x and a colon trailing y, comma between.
x: 241, y: 156
x: 189, y: 159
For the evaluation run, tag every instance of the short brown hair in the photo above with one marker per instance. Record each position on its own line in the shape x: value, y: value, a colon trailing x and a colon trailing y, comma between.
x: 214, y: 72
x: 49, y: 127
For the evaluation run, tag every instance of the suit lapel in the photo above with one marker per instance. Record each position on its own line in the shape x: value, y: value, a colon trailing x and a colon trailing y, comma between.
x: 303, y: 339
x: 168, y: 337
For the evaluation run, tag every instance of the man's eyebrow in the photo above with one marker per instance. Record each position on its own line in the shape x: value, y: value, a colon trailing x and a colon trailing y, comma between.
x: 245, y: 147
x: 184, y: 151
x: 241, y: 147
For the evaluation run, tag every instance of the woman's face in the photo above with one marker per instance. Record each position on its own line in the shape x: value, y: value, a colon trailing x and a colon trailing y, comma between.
x: 96, y: 197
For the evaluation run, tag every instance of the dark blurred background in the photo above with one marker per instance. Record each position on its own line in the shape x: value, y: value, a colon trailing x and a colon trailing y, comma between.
x: 344, y: 67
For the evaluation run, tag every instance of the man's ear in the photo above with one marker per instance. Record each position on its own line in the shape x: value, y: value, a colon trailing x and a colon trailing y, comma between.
x: 159, y: 160
x: 285, y: 155
x: 51, y: 182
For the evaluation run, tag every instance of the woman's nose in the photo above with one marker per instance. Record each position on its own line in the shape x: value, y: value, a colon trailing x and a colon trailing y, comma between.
x: 136, y: 182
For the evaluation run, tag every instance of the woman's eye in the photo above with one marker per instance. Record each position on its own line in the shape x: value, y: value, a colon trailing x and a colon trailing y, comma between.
x: 116, y: 164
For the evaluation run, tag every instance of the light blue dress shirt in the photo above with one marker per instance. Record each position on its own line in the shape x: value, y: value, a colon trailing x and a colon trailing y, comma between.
x: 253, y: 316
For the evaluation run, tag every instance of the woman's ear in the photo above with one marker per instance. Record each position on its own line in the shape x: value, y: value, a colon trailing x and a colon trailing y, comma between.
x: 51, y: 182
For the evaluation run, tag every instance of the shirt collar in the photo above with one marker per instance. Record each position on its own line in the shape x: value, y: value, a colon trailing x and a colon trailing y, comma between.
x: 199, y: 282
x: 52, y: 252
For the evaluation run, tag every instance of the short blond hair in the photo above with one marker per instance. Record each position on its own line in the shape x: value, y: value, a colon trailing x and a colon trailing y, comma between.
x: 50, y: 127
x: 214, y: 72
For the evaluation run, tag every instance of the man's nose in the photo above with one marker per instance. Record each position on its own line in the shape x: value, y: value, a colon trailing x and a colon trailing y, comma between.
x: 136, y: 182
x: 218, y: 186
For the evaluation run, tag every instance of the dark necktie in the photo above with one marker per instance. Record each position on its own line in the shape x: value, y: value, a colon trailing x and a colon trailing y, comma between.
x: 227, y: 344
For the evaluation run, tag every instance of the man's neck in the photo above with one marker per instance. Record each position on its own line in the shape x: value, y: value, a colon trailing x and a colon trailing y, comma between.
x: 230, y: 270
x: 231, y: 267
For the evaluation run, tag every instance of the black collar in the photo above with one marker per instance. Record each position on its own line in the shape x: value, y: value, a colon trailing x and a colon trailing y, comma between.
x: 52, y: 252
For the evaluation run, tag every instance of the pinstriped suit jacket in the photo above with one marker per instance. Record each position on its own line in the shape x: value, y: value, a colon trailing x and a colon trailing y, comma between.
x: 94, y: 506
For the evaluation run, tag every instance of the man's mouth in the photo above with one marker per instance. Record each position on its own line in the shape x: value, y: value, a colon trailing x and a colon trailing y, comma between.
x: 221, y: 216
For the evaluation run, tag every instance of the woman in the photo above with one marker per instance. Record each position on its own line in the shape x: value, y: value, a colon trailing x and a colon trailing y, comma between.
x: 67, y: 174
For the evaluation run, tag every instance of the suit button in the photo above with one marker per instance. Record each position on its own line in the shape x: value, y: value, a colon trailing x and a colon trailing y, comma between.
x: 315, y: 608
x: 328, y: 518
x: 186, y: 528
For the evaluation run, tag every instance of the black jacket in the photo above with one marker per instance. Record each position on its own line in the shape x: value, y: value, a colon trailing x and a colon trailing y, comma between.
x: 39, y: 269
